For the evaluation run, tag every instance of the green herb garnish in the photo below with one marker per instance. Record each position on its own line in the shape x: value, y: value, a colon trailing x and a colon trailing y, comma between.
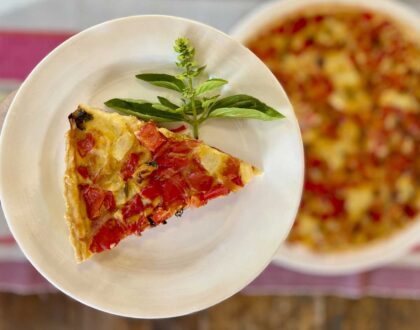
x: 196, y: 105
x: 153, y: 163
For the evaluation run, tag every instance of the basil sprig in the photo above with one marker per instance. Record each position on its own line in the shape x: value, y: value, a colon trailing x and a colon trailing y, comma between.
x: 196, y: 102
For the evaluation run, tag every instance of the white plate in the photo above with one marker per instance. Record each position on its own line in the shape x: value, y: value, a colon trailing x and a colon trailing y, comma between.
x: 193, y: 262
x: 379, y: 253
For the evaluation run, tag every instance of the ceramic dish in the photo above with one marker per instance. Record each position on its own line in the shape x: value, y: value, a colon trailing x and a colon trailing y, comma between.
x: 187, y: 265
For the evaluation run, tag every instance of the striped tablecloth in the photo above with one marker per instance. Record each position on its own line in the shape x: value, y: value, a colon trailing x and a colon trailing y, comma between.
x: 21, y: 50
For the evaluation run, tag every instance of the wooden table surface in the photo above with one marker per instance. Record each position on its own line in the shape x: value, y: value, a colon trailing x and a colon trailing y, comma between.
x: 56, y: 311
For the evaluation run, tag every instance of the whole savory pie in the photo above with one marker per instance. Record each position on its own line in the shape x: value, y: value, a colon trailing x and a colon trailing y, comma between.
x: 353, y: 77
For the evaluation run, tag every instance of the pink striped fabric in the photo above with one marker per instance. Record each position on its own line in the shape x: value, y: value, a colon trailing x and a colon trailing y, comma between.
x: 21, y: 277
x: 387, y: 281
x: 20, y: 52
x: 7, y: 240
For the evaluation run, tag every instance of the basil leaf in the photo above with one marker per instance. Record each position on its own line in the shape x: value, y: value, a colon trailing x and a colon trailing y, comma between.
x: 164, y: 101
x: 242, y: 101
x: 198, y: 108
x: 162, y: 80
x: 241, y: 113
x: 207, y: 102
x: 237, y: 101
x: 209, y: 85
x: 159, y: 106
x: 199, y: 70
x: 143, y: 110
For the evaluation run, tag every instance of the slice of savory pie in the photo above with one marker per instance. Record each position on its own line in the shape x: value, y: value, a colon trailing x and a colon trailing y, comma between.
x: 124, y: 175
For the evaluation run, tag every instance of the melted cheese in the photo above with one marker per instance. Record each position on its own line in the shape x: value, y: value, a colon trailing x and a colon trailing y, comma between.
x: 211, y: 159
x: 247, y: 172
x: 404, y: 101
x: 122, y: 145
x: 341, y: 70
x: 405, y: 188
x: 331, y: 32
x: 358, y: 200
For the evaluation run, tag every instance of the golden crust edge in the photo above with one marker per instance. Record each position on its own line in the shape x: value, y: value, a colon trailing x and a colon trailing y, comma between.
x: 76, y: 221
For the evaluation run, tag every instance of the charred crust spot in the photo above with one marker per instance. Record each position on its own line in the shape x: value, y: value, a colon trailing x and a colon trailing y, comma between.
x: 80, y: 116
x: 153, y: 163
x: 179, y: 213
x: 151, y: 222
